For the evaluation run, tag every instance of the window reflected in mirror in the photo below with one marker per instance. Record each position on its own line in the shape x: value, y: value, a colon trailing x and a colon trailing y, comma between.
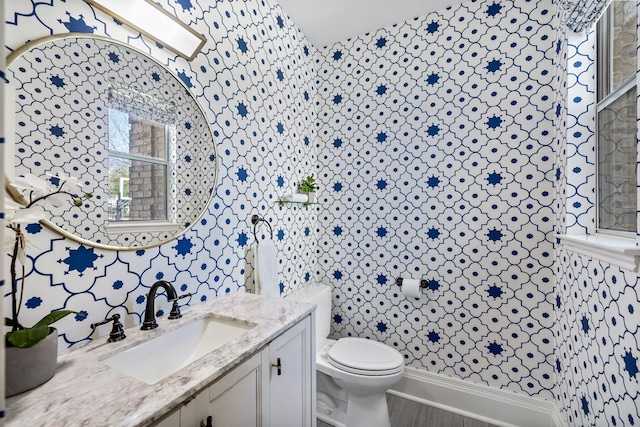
x: 138, y: 168
x: 145, y: 194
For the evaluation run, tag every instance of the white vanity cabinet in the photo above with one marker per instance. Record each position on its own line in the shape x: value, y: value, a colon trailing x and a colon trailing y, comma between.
x: 273, y: 388
x: 236, y: 400
x: 292, y: 377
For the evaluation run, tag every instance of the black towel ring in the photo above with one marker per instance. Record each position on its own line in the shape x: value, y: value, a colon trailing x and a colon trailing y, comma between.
x: 255, y: 220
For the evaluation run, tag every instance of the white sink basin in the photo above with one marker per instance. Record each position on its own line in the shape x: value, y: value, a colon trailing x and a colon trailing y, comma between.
x: 153, y: 360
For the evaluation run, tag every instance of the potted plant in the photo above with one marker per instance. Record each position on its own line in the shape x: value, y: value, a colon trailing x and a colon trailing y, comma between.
x: 309, y: 186
x: 31, y: 352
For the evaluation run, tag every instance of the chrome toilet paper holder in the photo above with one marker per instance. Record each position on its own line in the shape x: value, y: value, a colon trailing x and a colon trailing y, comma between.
x: 423, y: 282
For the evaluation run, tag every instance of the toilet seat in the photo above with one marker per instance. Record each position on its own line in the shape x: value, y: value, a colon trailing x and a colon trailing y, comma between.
x: 365, y: 357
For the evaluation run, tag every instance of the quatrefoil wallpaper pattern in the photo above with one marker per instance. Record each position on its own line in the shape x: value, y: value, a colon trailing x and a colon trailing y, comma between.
x: 439, y: 147
x: 437, y: 159
x: 596, y: 330
x: 62, y: 115
x: 256, y: 82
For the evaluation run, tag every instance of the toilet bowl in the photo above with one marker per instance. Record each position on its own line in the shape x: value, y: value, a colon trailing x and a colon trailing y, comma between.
x: 353, y: 374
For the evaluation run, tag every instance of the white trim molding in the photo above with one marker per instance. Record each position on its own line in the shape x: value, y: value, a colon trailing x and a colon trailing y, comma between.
x: 499, y: 407
x: 119, y: 227
x: 615, y: 250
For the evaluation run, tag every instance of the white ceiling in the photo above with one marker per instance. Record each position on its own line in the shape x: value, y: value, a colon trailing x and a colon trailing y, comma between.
x: 325, y: 22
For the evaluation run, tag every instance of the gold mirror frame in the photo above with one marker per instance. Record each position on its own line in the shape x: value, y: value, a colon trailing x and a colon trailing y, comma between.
x: 214, y: 164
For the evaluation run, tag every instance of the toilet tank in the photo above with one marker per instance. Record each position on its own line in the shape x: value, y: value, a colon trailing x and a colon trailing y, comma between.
x: 320, y: 295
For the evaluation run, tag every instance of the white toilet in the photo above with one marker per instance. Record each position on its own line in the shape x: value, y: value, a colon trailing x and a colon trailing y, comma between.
x: 352, y: 373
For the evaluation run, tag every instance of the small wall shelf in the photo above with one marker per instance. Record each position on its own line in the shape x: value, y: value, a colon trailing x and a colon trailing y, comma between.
x: 282, y: 202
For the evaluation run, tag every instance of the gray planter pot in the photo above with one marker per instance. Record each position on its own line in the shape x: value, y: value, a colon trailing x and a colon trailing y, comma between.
x: 27, y: 368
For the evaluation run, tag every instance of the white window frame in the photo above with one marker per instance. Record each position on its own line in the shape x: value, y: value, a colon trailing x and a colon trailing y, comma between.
x: 603, y: 83
x: 611, y: 246
x: 128, y: 226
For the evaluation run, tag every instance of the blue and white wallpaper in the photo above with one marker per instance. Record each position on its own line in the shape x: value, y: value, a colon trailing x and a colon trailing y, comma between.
x: 580, y: 166
x: 437, y: 162
x: 63, y: 98
x: 255, y: 79
x: 450, y: 148
x: 597, y: 304
x: 597, y: 345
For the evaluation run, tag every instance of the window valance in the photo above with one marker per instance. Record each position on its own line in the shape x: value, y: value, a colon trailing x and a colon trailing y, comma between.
x: 581, y: 15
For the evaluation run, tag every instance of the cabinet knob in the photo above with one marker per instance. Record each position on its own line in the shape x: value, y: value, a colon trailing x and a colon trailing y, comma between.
x: 278, y: 366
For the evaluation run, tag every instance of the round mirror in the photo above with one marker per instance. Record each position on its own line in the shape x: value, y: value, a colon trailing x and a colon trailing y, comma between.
x: 121, y: 123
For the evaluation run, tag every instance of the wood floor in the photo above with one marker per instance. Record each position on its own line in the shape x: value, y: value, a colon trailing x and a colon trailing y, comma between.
x: 406, y: 413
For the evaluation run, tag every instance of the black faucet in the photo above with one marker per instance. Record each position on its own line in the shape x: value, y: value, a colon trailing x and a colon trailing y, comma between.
x: 150, y: 313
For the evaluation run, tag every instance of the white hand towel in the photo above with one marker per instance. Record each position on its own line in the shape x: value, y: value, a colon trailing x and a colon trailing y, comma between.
x: 266, y: 263
x: 296, y: 197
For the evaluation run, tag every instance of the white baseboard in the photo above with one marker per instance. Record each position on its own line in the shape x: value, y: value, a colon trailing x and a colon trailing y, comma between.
x: 558, y: 419
x: 495, y: 406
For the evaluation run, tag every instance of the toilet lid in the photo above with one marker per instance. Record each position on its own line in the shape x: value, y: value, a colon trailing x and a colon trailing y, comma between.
x: 363, y: 356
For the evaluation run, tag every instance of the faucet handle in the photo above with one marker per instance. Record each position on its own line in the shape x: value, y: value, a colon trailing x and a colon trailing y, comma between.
x: 175, y: 310
x: 117, y: 330
x: 180, y: 297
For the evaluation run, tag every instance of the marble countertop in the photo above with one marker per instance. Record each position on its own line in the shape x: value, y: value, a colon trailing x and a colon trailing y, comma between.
x: 85, y: 392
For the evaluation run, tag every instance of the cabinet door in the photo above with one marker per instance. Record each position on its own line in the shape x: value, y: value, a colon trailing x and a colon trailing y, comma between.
x: 190, y: 413
x: 235, y: 400
x: 290, y: 377
x: 171, y: 420
x: 195, y: 411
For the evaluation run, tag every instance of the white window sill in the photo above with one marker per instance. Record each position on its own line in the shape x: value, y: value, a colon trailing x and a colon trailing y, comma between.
x: 618, y: 251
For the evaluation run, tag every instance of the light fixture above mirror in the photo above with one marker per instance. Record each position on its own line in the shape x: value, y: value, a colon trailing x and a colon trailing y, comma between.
x: 154, y: 22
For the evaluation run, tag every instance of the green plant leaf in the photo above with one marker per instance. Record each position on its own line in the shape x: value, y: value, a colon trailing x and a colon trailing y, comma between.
x: 53, y: 317
x: 29, y: 337
x: 308, y: 184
